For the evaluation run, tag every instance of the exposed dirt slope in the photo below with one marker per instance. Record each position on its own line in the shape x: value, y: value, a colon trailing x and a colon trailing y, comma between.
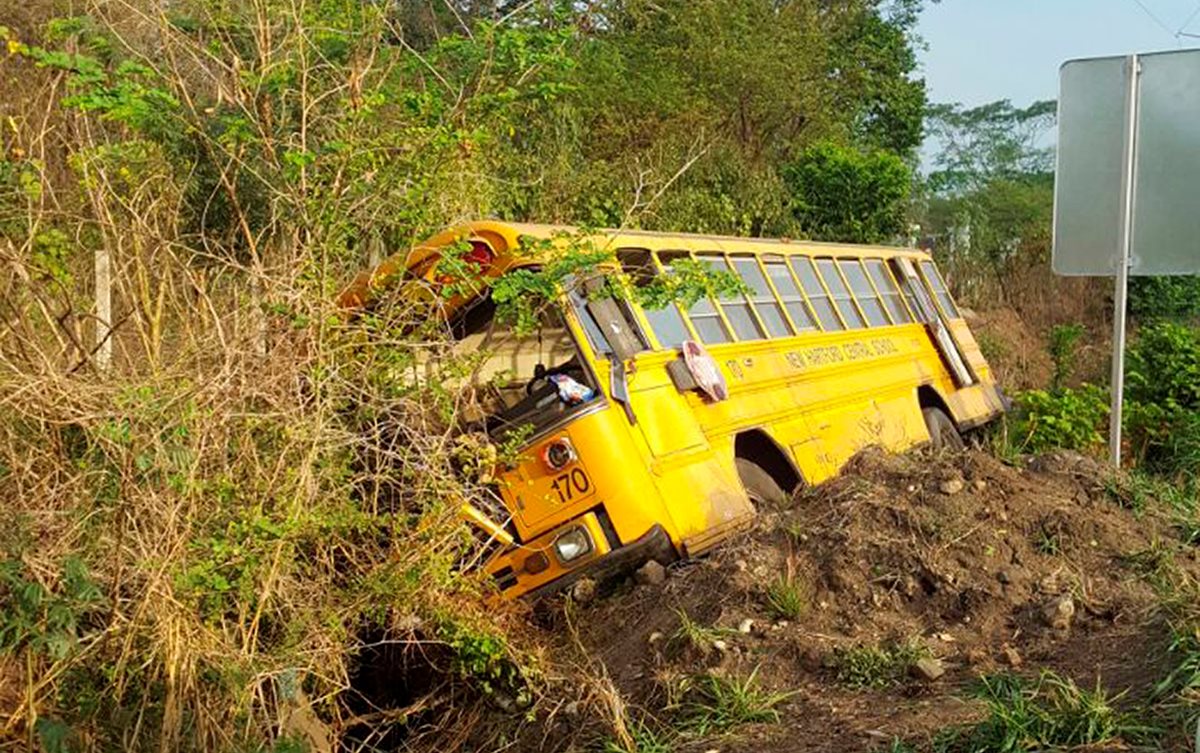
x: 962, y: 555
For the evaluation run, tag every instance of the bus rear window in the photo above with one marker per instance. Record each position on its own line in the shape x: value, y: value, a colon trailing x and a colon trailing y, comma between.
x: 934, y: 280
x: 887, y: 288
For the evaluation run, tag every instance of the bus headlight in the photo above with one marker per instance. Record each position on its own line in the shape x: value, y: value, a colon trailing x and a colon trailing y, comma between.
x: 572, y: 545
x: 558, y: 454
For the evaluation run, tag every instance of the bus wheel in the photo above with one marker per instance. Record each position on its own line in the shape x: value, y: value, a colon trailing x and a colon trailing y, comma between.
x: 759, y: 485
x: 943, y: 434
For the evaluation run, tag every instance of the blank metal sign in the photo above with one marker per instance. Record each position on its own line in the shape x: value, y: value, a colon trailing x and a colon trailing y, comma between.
x: 1091, y: 132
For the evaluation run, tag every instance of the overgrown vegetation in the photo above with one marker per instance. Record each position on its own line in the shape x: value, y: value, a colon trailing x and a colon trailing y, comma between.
x: 226, y: 503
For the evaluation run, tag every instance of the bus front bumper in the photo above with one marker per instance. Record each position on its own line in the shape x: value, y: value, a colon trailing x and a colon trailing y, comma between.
x: 511, y: 569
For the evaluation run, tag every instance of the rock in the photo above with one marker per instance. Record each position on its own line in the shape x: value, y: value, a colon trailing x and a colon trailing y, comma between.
x: 979, y: 485
x: 745, y: 626
x: 584, y: 590
x: 811, y: 659
x: 1011, y: 656
x: 655, y: 637
x: 951, y: 486
x: 927, y: 669
x: 1059, y: 612
x: 720, y: 645
x: 651, y: 574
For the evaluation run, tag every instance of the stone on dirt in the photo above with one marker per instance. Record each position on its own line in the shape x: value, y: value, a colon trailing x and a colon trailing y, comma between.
x: 745, y: 626
x: 584, y: 591
x: 1059, y: 612
x: 1011, y: 656
x: 951, y: 486
x: 651, y: 574
x: 928, y: 669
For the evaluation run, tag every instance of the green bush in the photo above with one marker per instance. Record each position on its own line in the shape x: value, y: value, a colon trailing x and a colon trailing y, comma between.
x: 1063, y: 418
x: 1163, y: 398
x: 1164, y: 297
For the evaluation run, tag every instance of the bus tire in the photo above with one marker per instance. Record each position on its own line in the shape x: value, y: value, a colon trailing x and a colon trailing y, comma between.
x: 943, y: 434
x: 759, y: 486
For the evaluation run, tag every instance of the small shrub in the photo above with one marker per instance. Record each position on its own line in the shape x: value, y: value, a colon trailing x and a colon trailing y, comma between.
x: 1050, y: 713
x: 718, y: 703
x: 877, y: 666
x: 1067, y: 419
x: 786, y: 595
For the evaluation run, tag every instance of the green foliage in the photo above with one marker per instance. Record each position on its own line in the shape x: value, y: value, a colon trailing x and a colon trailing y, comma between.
x: 716, y: 703
x: 877, y: 666
x: 1065, y: 418
x: 697, y: 636
x: 42, y: 620
x: 642, y: 739
x: 1049, y: 713
x: 843, y: 194
x: 1064, y: 352
x: 1153, y: 298
x: 787, y: 596
x: 482, y: 655
x: 1163, y: 397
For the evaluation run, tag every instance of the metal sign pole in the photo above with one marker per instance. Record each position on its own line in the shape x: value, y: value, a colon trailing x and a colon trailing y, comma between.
x: 1128, y: 162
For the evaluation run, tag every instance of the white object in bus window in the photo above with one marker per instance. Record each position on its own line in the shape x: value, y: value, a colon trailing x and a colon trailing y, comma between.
x: 570, y: 391
x: 703, y: 369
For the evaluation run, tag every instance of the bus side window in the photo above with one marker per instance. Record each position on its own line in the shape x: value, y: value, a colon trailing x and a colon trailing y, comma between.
x: 667, y: 322
x: 841, y: 295
x: 934, y: 280
x: 761, y: 297
x: 735, y: 307
x: 817, y: 295
x: 887, y: 288
x: 871, y: 306
x: 793, y: 299
x: 705, y: 319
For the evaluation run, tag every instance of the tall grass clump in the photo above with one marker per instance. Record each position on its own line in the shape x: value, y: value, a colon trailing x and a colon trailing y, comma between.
x: 223, y: 497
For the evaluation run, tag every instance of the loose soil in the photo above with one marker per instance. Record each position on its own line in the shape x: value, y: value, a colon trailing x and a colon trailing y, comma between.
x: 960, y: 553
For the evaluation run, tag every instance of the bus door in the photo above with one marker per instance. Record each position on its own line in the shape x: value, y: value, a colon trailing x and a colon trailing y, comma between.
x: 680, y: 457
x: 928, y: 313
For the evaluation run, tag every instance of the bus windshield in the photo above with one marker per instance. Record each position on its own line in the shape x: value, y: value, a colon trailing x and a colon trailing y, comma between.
x: 530, y: 379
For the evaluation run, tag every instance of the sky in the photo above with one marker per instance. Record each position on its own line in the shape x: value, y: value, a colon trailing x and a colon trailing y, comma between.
x: 983, y: 50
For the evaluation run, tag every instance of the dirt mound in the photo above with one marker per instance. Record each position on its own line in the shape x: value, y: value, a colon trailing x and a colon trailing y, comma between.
x: 962, y: 560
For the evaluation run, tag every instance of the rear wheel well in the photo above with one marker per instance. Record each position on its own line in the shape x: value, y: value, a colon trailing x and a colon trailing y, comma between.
x: 758, y: 447
x: 928, y: 397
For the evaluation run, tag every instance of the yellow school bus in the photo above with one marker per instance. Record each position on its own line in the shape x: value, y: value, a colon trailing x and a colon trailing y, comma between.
x: 655, y: 433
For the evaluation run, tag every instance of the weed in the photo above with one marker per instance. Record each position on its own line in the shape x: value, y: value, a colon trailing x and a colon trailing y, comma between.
x: 877, y: 666
x: 1064, y: 341
x: 1047, y: 541
x: 1049, y: 713
x: 1184, y: 678
x: 696, y: 636
x: 1156, y: 563
x: 786, y: 597
x: 641, y: 739
x: 720, y: 703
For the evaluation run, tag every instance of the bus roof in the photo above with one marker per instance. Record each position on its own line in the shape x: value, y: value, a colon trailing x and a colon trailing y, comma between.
x: 504, y: 238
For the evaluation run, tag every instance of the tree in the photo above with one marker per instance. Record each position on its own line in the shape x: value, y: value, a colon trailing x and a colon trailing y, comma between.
x: 843, y: 194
